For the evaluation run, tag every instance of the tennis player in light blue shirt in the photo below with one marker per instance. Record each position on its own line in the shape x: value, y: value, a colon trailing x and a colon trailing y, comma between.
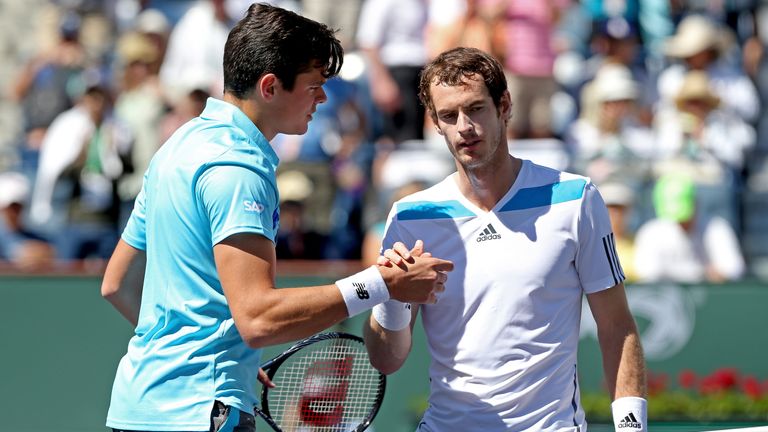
x: 194, y: 270
x: 213, y: 178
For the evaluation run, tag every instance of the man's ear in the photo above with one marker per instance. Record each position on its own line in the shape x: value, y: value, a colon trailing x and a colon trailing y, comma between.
x: 505, y: 105
x: 267, y: 86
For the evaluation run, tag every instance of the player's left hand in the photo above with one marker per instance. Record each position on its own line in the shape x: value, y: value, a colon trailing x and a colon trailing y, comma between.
x: 399, y: 254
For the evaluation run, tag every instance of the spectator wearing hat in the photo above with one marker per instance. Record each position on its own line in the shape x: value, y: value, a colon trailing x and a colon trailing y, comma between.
x: 616, y: 40
x: 682, y: 245
x: 296, y: 240
x: 708, y: 142
x: 700, y: 44
x: 155, y: 26
x: 18, y: 245
x: 608, y: 139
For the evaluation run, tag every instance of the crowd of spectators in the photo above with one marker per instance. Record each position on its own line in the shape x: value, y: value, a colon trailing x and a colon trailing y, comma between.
x: 643, y: 96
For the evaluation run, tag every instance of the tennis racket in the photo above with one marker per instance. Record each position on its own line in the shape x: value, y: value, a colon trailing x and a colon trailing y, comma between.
x: 322, y: 384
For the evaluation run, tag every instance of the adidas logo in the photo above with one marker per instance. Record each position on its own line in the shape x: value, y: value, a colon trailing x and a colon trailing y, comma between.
x: 360, y: 290
x: 629, y: 422
x: 489, y: 233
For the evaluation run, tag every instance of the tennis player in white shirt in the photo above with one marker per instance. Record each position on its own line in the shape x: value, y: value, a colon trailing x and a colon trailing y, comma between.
x: 527, y: 242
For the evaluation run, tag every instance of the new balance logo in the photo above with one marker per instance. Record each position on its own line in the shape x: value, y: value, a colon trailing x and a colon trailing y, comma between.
x: 489, y: 233
x: 360, y: 290
x: 629, y: 422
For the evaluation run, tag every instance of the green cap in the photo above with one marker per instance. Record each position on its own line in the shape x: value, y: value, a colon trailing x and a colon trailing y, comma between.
x: 674, y: 197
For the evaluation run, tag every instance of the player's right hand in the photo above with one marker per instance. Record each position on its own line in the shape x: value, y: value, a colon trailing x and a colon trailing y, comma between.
x: 413, y: 276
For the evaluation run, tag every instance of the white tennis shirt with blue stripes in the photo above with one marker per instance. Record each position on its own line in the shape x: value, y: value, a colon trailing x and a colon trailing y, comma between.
x: 213, y: 178
x: 503, y: 336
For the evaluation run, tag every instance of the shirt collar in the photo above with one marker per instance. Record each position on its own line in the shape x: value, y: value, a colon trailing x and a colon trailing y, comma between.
x: 219, y: 110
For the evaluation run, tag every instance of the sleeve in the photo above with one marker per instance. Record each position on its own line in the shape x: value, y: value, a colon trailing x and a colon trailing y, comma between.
x: 237, y: 199
x: 135, y: 232
x: 597, y: 262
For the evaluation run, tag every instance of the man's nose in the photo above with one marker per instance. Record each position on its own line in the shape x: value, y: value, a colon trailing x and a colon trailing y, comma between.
x: 465, y: 123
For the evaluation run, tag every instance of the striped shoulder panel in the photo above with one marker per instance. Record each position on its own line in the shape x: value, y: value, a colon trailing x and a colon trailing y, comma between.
x: 419, y: 210
x: 546, y: 195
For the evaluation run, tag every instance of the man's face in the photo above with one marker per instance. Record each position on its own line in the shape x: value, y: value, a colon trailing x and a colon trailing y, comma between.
x: 473, y: 127
x: 294, y: 108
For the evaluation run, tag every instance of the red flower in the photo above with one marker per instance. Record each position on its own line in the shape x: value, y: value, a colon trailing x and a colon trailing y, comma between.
x: 727, y: 378
x: 687, y: 379
x: 751, y: 387
x: 657, y: 382
x: 720, y: 380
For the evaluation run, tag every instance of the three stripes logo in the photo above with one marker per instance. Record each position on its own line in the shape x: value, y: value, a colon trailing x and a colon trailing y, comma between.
x: 629, y: 421
x: 360, y: 290
x: 609, y: 244
x: 489, y: 233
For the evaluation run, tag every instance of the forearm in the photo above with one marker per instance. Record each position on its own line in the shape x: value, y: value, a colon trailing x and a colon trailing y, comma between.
x: 123, y: 281
x: 623, y: 362
x: 288, y: 314
x: 387, y: 349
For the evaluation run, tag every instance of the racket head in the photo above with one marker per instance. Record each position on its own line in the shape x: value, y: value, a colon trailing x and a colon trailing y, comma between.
x: 324, y: 383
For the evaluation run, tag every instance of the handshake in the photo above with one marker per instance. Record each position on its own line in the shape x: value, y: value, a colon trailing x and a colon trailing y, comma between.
x: 400, y: 277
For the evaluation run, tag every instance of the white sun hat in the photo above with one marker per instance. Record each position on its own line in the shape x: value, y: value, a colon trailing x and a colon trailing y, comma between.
x: 695, y: 33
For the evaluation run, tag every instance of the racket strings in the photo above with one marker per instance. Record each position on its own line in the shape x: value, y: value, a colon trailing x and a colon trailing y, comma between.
x: 329, y: 386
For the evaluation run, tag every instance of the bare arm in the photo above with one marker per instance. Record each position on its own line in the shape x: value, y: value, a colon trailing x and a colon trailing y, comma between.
x: 623, y: 362
x: 124, y: 280
x: 388, y: 349
x: 265, y: 315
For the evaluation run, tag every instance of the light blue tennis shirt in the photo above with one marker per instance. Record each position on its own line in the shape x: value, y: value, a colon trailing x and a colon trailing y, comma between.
x: 213, y: 178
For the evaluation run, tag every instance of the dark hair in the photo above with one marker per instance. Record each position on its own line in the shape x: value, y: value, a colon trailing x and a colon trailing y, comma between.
x: 273, y: 40
x: 452, y: 67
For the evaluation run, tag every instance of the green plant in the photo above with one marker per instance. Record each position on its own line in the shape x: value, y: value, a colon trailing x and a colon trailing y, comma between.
x: 722, y: 396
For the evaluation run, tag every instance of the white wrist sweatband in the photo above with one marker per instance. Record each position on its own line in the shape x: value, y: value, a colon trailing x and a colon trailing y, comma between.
x: 393, y: 315
x: 630, y: 414
x: 363, y: 290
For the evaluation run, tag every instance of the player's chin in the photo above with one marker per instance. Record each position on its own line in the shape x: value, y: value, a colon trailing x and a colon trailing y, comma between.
x: 298, y: 129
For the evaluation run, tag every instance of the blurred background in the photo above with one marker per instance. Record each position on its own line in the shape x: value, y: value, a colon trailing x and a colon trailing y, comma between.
x: 660, y: 102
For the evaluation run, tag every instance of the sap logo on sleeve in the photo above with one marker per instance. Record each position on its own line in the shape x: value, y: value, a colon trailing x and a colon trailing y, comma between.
x: 253, y: 206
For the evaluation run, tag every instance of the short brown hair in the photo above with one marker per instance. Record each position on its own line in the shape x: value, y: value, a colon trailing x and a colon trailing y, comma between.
x: 452, y: 67
x: 274, y: 40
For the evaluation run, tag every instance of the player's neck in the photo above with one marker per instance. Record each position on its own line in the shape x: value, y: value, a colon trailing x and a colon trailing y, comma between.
x: 254, y: 112
x: 484, y: 187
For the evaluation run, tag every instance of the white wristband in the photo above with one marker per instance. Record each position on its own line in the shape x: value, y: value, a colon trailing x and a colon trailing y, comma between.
x: 630, y: 414
x: 363, y: 290
x: 392, y: 314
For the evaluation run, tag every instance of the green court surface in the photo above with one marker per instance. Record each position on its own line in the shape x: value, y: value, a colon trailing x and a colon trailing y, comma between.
x: 60, y: 344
